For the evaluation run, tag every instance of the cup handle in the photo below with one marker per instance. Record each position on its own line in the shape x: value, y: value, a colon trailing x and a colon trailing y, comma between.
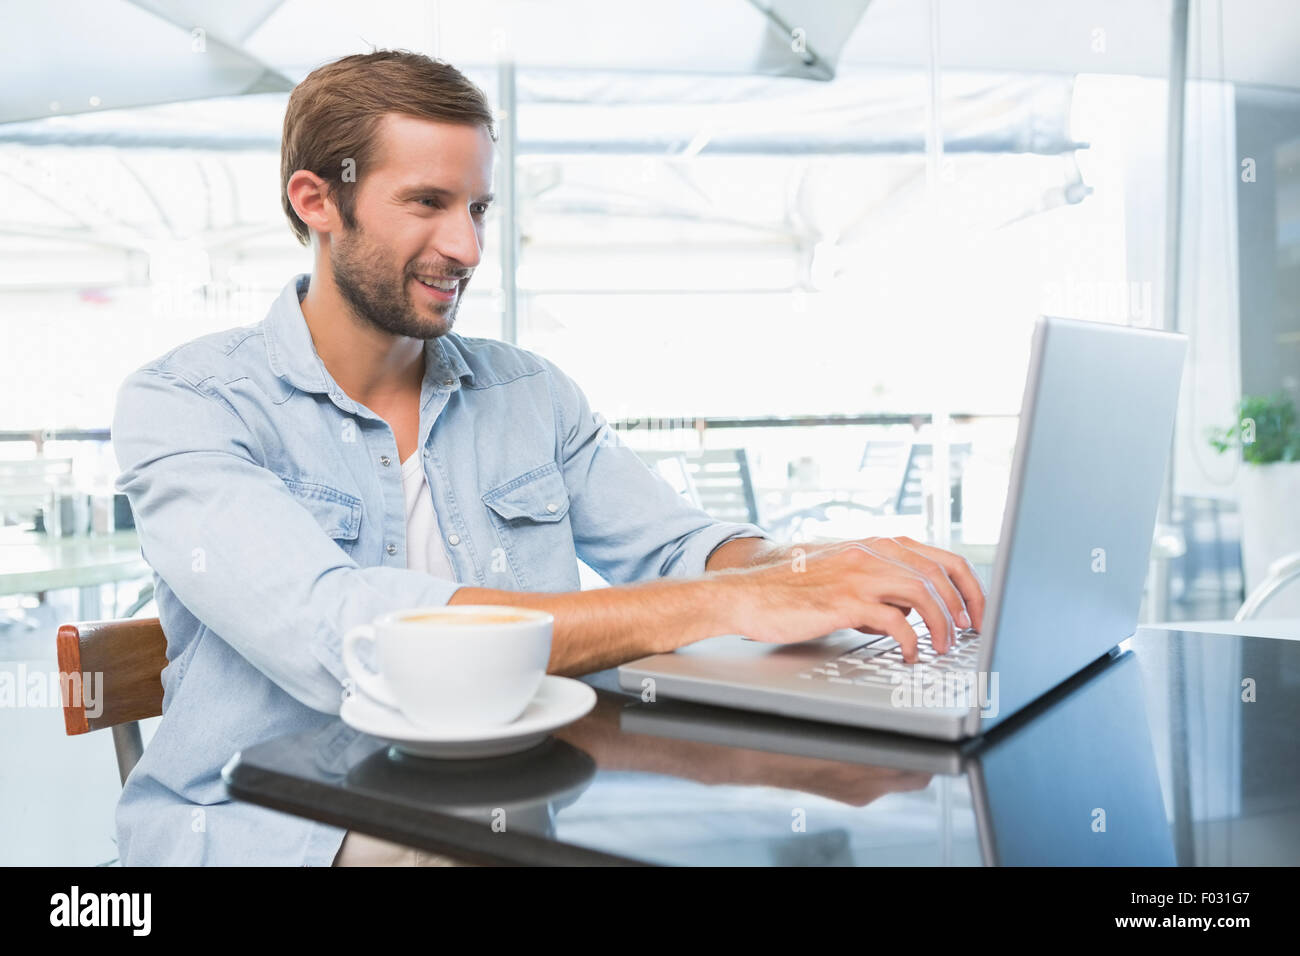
x: 370, y: 682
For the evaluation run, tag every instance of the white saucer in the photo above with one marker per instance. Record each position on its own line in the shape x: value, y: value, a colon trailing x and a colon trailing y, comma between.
x: 558, y: 701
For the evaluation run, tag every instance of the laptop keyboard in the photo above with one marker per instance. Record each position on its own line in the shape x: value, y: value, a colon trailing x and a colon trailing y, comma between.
x: 879, y: 661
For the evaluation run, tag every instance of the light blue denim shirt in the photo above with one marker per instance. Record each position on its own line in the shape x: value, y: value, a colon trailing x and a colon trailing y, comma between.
x: 269, y: 506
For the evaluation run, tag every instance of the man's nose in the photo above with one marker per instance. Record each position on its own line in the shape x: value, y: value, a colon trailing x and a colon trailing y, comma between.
x: 458, y: 240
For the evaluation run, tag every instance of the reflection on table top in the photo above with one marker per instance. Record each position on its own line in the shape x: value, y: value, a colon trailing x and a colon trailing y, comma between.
x: 1151, y: 758
x: 36, y: 562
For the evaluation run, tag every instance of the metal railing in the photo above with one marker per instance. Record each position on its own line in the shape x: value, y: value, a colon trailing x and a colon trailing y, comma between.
x: 799, y: 421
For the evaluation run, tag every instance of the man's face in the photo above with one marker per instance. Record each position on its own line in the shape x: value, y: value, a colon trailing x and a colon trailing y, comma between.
x: 419, y: 216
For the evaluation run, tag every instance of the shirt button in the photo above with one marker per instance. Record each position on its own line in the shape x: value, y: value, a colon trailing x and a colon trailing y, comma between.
x: 391, y: 549
x: 453, y: 539
x: 384, y: 460
x: 450, y: 381
x: 552, y: 508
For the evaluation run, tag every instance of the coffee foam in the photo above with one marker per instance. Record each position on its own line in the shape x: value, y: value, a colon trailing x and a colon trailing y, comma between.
x: 479, y: 617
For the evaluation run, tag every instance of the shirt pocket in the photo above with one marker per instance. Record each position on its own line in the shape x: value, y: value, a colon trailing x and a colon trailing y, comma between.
x: 337, y: 512
x: 530, y: 514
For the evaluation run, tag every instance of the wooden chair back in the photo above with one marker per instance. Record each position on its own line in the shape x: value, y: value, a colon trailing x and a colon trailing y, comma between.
x: 125, y: 660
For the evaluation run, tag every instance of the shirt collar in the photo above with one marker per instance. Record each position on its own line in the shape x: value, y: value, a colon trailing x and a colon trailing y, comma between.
x: 293, y: 357
x: 449, y: 347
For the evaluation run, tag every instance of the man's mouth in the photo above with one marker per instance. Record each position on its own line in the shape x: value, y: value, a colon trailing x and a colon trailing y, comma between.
x: 439, y: 288
x: 439, y: 282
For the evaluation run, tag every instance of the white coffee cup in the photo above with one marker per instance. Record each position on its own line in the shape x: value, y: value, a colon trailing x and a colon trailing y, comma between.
x: 456, y: 667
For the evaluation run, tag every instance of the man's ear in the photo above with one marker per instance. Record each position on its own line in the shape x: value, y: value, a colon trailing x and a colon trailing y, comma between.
x: 310, y: 197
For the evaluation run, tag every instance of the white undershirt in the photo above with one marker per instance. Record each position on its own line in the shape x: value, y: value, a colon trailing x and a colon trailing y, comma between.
x: 424, y: 550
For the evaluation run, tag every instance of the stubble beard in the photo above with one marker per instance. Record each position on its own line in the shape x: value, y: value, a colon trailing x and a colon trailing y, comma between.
x: 377, y: 299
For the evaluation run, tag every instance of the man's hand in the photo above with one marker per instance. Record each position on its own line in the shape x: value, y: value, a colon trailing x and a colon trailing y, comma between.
x: 870, y: 585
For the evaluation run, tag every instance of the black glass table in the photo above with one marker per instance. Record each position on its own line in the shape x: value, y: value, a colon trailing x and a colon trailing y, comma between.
x: 1182, y: 750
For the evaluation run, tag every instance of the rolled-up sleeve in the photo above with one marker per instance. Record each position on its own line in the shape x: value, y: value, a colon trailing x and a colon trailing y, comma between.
x: 236, y: 547
x: 628, y: 523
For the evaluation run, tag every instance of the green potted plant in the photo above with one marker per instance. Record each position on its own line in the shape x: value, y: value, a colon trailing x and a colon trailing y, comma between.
x: 1267, y: 436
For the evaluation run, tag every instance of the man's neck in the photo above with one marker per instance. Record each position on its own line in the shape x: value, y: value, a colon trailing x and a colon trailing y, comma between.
x: 370, y: 365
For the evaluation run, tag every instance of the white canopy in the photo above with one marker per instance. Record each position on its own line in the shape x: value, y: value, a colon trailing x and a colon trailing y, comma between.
x: 63, y: 56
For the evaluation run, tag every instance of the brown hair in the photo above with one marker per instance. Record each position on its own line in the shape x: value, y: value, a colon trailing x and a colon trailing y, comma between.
x: 334, y: 115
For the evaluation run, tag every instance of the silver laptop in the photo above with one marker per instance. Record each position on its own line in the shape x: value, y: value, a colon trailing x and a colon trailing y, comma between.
x: 1096, y: 428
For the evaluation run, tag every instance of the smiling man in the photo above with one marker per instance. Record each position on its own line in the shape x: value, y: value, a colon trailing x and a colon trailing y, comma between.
x: 352, y: 454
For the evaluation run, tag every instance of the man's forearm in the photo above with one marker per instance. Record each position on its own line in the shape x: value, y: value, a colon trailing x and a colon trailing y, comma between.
x: 744, y: 553
x: 605, y: 627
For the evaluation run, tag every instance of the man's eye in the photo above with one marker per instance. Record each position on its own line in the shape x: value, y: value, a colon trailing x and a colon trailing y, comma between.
x: 434, y: 201
x: 480, y: 208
